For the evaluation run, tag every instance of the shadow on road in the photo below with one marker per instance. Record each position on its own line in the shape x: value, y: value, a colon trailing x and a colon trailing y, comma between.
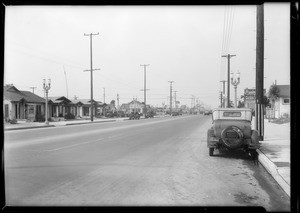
x: 232, y: 154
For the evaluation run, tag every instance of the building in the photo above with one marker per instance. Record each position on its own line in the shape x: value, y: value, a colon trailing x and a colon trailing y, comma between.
x: 133, y: 106
x: 21, y: 104
x: 249, y: 98
x: 83, y: 107
x: 282, y: 103
x: 60, y: 106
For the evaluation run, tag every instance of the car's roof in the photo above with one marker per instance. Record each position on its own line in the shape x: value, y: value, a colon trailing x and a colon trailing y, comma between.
x: 232, y: 109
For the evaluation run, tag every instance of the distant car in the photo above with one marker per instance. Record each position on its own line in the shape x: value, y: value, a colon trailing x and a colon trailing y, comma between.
x: 134, y: 116
x: 149, y: 114
x: 206, y: 112
x: 231, y: 129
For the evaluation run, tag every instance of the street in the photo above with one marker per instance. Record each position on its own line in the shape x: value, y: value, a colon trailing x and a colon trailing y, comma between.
x: 161, y: 161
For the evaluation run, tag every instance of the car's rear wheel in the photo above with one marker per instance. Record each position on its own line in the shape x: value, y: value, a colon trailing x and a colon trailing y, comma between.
x: 211, y: 151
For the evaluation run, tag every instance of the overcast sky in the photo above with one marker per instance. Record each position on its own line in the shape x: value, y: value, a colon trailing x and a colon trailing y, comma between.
x: 183, y: 44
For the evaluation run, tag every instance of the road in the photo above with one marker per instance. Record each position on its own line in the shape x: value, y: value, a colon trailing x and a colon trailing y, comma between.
x: 161, y: 161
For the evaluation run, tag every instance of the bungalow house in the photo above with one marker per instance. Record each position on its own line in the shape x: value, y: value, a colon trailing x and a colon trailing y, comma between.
x: 21, y: 104
x: 82, y: 107
x: 60, y: 106
x: 282, y: 103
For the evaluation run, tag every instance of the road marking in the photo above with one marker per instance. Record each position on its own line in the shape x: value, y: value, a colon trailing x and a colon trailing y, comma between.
x: 73, y: 145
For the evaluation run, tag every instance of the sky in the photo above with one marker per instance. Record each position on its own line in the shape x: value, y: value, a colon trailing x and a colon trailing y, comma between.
x: 183, y: 44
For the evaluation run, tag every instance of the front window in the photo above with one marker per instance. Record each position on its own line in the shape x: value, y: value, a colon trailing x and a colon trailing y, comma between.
x: 232, y: 114
x: 286, y: 101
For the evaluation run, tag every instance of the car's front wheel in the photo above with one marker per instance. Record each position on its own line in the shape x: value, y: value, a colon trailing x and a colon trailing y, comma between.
x: 211, y: 151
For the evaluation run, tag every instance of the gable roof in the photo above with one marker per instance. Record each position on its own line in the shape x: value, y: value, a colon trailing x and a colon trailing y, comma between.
x: 31, y: 97
x: 86, y: 101
x: 59, y: 99
x: 284, y: 91
x: 135, y: 102
x: 11, y: 93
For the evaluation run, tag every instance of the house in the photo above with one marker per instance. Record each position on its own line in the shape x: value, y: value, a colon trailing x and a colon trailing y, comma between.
x: 21, y: 104
x: 60, y: 106
x: 82, y: 107
x: 282, y: 103
x: 133, y: 106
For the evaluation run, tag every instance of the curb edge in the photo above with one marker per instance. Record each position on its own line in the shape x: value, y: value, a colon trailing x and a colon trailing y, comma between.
x: 273, y: 170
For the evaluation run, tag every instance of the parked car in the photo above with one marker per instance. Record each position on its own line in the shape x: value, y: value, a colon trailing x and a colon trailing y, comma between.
x: 206, y: 112
x: 149, y: 114
x: 134, y: 116
x: 231, y: 129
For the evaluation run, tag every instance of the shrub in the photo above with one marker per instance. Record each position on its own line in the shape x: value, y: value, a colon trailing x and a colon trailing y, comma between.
x: 13, y: 121
x: 39, y: 118
x: 69, y: 116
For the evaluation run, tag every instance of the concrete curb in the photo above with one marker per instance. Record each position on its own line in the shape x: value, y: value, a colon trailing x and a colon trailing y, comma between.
x: 52, y: 125
x: 28, y: 127
x: 88, y: 122
x: 273, y: 170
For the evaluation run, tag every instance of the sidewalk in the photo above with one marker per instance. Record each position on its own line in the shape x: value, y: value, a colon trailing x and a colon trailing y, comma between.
x: 31, y: 125
x: 274, y: 153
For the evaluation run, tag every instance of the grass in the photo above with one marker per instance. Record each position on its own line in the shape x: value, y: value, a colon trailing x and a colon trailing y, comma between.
x: 280, y: 120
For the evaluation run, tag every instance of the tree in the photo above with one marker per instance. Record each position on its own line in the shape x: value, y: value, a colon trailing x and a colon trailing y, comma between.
x: 273, y: 94
x: 113, y: 102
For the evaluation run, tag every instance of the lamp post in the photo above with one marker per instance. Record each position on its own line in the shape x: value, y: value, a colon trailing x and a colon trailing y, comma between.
x: 235, y: 82
x: 46, y: 88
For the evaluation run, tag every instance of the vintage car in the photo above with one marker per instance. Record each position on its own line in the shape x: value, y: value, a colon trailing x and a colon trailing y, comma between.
x: 134, y: 116
x: 231, y: 129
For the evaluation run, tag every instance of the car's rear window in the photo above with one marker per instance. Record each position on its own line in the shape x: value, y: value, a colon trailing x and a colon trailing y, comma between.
x: 232, y: 114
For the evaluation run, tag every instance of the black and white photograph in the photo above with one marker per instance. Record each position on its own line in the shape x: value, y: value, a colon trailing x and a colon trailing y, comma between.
x: 158, y: 105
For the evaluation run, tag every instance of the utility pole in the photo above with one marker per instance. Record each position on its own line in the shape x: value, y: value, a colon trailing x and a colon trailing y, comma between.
x: 118, y: 101
x: 175, y: 99
x: 91, y: 70
x: 221, y: 98
x: 259, y: 107
x: 171, y: 96
x: 66, y: 81
x: 103, y: 94
x: 32, y: 89
x: 223, y: 94
x: 228, y: 56
x: 145, y: 107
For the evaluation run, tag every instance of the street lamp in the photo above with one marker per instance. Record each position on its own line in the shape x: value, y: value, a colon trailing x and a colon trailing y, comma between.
x: 235, y: 82
x: 46, y: 88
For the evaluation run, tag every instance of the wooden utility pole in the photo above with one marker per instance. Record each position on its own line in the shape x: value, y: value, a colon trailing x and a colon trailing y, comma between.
x: 91, y: 70
x: 145, y: 107
x: 103, y: 94
x: 223, y: 94
x: 259, y: 106
x: 228, y: 56
x: 171, y: 96
x: 32, y: 89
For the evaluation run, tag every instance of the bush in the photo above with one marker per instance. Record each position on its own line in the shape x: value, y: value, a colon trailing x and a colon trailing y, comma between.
x: 13, y: 121
x: 69, y: 116
x: 39, y: 118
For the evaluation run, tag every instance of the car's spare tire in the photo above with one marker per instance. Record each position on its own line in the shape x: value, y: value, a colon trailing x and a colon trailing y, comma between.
x: 232, y: 137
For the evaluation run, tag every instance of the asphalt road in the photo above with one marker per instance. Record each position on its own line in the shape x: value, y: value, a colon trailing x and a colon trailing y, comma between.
x: 139, y: 162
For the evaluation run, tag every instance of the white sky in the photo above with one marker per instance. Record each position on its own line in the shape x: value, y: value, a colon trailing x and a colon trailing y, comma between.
x: 181, y: 43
